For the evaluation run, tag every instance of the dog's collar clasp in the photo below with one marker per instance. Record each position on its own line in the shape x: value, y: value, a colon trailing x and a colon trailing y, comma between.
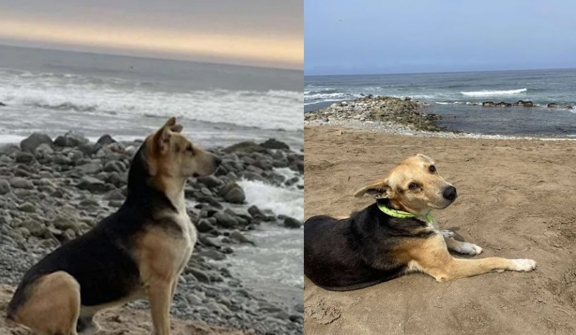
x: 405, y: 215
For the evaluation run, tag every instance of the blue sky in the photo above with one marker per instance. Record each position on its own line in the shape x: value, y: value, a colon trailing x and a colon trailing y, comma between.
x: 405, y: 36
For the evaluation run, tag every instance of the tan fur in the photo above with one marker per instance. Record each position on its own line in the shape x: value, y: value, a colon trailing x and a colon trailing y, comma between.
x: 56, y: 291
x: 431, y: 255
x: 161, y: 262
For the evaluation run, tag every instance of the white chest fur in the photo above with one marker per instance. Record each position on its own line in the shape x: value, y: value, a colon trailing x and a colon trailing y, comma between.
x: 189, y: 235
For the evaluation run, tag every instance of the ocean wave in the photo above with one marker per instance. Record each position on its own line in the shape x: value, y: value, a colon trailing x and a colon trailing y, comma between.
x: 493, y: 93
x: 274, y: 109
x: 277, y: 199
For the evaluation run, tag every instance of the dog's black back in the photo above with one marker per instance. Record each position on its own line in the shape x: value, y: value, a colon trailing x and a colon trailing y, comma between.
x: 103, y: 260
x: 358, y: 251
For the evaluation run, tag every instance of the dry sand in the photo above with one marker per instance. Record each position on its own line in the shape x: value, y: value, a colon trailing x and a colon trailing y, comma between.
x: 517, y: 199
x: 117, y: 321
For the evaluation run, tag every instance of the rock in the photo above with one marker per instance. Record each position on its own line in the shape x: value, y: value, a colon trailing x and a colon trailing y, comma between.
x: 19, y: 182
x: 4, y: 187
x: 488, y: 104
x: 233, y: 193
x: 33, y: 141
x: 503, y: 104
x: 245, y: 147
x: 204, y: 226
x: 24, y: 157
x: 225, y: 220
x: 91, y: 184
x: 210, y: 181
x: 272, y: 143
x: 523, y: 103
x: 114, y: 195
x: 44, y: 150
x: 568, y: 107
x: 2, y: 104
x: 90, y: 168
x: 552, y: 105
x: 255, y: 212
x: 238, y: 236
x: 35, y: 228
x: 114, y: 166
x: 198, y: 274
x: 27, y: 207
x: 71, y: 140
x: 64, y: 223
x: 105, y: 140
x: 290, y: 222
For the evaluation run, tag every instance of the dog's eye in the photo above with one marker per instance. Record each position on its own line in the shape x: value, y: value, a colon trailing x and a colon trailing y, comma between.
x: 190, y: 149
x: 413, y: 186
x: 432, y: 169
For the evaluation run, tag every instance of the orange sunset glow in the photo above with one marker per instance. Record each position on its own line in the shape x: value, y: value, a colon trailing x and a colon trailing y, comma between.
x: 258, y: 50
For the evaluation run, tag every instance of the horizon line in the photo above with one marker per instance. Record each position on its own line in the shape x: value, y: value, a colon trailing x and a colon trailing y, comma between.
x: 435, y: 72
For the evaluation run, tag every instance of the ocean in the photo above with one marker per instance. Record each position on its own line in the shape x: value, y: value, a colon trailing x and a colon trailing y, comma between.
x: 453, y: 95
x: 54, y: 92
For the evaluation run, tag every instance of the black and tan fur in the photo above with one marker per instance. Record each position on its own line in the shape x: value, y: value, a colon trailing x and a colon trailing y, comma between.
x: 370, y: 246
x: 137, y: 252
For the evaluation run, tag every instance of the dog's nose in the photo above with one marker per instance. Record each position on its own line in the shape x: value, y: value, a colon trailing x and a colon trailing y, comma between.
x: 450, y: 193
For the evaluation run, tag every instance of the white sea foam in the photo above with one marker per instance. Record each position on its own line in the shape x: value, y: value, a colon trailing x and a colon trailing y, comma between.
x: 486, y: 93
x: 268, y: 110
x: 279, y: 200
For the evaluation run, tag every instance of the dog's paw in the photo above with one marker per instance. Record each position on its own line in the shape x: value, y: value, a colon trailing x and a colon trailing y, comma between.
x: 466, y: 248
x: 447, y: 233
x: 524, y: 264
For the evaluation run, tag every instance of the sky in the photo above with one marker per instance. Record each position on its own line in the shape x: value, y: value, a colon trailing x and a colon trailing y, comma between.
x: 267, y: 33
x: 416, y: 36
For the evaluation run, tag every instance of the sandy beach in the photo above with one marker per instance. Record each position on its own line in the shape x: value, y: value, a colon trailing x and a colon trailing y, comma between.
x: 516, y: 200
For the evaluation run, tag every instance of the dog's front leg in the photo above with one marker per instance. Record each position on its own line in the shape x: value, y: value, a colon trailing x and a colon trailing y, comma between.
x: 431, y: 256
x: 462, y: 247
x: 160, y: 296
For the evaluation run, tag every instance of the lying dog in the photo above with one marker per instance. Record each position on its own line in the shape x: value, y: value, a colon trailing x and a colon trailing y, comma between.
x: 394, y: 236
x: 137, y: 252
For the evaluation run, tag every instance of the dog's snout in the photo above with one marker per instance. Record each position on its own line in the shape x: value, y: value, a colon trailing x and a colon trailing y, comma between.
x: 450, y: 193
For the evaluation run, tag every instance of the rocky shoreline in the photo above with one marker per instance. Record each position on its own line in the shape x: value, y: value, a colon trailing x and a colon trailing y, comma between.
x: 405, y: 112
x: 54, y: 190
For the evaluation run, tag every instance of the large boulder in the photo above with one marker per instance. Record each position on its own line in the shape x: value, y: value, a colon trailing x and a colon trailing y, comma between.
x: 272, y: 143
x: 105, y: 140
x: 487, y: 104
x: 70, y: 139
x: 34, y: 141
x: 552, y: 105
x: 290, y: 222
x: 244, y: 147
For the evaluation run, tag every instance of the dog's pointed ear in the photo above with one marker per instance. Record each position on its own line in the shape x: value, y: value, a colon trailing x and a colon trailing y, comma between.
x: 424, y: 157
x: 163, y: 135
x: 378, y: 189
x: 171, y: 122
x: 176, y: 128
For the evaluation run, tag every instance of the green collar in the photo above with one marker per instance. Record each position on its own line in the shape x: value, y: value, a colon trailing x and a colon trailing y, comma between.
x: 405, y: 215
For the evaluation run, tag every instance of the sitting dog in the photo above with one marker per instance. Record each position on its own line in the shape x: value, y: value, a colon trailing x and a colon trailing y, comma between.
x: 137, y: 252
x: 395, y: 236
